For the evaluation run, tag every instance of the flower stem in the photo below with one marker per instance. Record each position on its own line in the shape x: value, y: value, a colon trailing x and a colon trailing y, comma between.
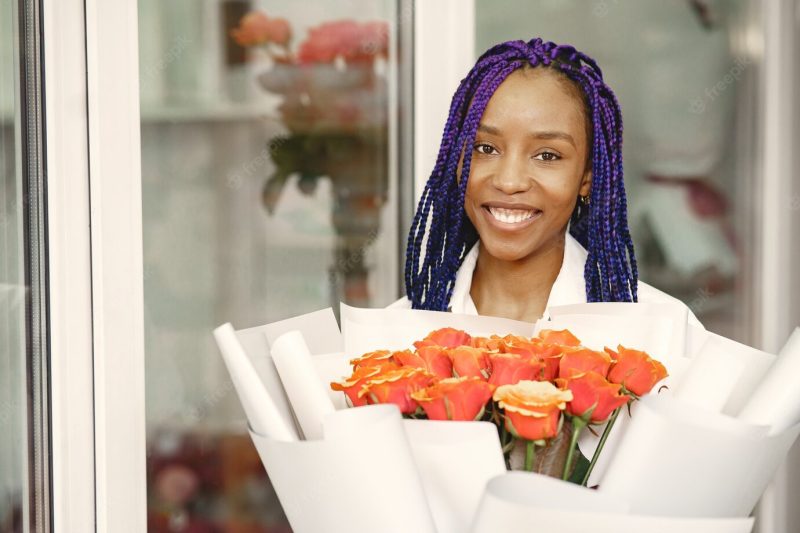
x: 603, y: 438
x: 577, y: 425
x: 530, y: 455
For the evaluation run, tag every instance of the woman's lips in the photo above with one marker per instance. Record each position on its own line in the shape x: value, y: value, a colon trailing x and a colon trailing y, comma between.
x: 510, y: 219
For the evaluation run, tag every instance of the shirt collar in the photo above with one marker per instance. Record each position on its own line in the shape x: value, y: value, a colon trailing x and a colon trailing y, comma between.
x: 568, y: 288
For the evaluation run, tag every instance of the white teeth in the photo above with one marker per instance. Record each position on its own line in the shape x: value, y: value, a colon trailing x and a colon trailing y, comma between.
x: 510, y: 216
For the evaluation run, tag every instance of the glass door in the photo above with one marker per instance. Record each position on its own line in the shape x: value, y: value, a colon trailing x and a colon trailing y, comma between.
x: 270, y: 188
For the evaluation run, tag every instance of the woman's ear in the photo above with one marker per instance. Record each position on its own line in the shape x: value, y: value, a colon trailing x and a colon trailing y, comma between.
x: 586, y: 183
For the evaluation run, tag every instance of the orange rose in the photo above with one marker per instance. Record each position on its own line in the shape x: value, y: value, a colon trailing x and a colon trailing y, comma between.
x: 352, y: 385
x: 580, y: 360
x: 430, y: 358
x: 635, y: 370
x: 469, y: 361
x: 447, y: 337
x: 461, y: 398
x: 532, y: 408
x: 396, y: 386
x: 592, y: 392
x: 376, y: 358
x: 491, y: 344
x: 508, y: 369
x: 562, y: 337
x: 549, y: 354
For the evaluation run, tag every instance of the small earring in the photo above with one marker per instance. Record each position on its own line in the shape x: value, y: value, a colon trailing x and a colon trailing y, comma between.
x: 585, y: 200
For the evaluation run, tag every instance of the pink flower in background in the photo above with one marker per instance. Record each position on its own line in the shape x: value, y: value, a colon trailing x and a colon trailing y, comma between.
x: 347, y: 39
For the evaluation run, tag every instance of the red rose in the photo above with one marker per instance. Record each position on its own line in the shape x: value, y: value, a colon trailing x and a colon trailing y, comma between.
x: 396, y: 386
x: 561, y: 337
x: 447, y: 337
x: 508, y: 369
x: 433, y: 359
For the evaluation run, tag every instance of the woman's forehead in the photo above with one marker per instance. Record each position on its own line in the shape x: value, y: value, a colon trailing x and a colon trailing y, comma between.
x: 534, y: 99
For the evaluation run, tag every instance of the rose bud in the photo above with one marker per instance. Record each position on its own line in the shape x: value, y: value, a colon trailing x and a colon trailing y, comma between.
x: 580, y: 360
x: 532, y: 408
x: 352, y: 385
x: 508, y: 369
x: 447, y: 337
x: 396, y: 386
x: 461, y: 398
x: 433, y: 359
x: 635, y: 370
x: 468, y: 361
x: 561, y: 337
x: 594, y: 398
x: 376, y: 358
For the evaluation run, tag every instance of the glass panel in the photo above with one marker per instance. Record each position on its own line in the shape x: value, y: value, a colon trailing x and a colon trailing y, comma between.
x: 24, y: 422
x: 686, y: 91
x: 269, y: 190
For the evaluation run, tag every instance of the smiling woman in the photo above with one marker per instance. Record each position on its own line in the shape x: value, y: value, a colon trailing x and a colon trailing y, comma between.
x: 534, y: 214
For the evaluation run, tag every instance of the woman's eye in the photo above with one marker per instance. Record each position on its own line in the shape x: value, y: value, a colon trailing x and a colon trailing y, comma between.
x: 548, y: 156
x: 484, y: 149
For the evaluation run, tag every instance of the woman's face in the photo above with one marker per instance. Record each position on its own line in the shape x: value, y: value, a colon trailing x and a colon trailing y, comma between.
x: 528, y: 165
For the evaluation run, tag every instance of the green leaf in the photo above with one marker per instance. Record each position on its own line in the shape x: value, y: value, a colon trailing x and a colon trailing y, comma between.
x: 581, y: 466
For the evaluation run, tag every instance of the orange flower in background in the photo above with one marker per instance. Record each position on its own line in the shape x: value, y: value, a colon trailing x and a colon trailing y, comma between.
x: 461, y: 398
x: 469, y: 361
x: 447, y: 337
x: 635, y: 370
x: 433, y: 359
x: 532, y: 408
x: 256, y: 28
x: 352, y: 385
x: 376, y: 358
x: 396, y: 386
x: 592, y: 392
x: 508, y: 369
x: 563, y: 337
x: 580, y: 360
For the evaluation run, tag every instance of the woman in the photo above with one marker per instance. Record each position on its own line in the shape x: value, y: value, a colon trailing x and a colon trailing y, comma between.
x: 541, y: 218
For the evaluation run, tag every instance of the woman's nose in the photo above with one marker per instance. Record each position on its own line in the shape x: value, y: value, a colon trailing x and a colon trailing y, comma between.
x: 511, y: 176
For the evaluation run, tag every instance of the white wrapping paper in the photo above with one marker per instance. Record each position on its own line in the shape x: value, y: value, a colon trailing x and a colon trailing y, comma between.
x: 776, y: 400
x: 670, y: 321
x: 319, y: 329
x: 455, y: 460
x: 262, y: 413
x: 723, y: 375
x: 677, y: 460
x: 307, y: 394
x: 365, y: 330
x: 520, y: 501
x: 360, y: 478
x: 333, y: 367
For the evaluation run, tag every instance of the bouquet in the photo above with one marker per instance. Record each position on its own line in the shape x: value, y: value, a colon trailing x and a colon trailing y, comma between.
x: 420, y: 439
x: 541, y: 391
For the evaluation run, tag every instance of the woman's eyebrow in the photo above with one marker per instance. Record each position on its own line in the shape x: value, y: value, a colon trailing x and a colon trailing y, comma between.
x: 544, y: 135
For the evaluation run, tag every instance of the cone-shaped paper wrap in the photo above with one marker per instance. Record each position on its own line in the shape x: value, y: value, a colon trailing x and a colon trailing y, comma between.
x: 677, y: 460
x: 776, y: 400
x: 520, y: 501
x: 307, y: 394
x: 262, y: 414
x: 360, y: 478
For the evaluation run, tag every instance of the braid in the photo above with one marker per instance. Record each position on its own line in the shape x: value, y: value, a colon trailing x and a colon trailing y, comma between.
x: 440, y: 221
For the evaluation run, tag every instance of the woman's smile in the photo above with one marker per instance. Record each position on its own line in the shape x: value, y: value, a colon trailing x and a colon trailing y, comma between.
x: 510, y: 218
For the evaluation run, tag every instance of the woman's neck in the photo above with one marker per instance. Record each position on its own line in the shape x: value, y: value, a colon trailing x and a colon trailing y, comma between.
x: 516, y: 289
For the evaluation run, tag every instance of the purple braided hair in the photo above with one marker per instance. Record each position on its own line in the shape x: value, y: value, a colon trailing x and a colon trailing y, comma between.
x: 610, y: 273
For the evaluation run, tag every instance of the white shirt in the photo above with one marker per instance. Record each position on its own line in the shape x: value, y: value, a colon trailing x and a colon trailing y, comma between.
x: 568, y: 288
